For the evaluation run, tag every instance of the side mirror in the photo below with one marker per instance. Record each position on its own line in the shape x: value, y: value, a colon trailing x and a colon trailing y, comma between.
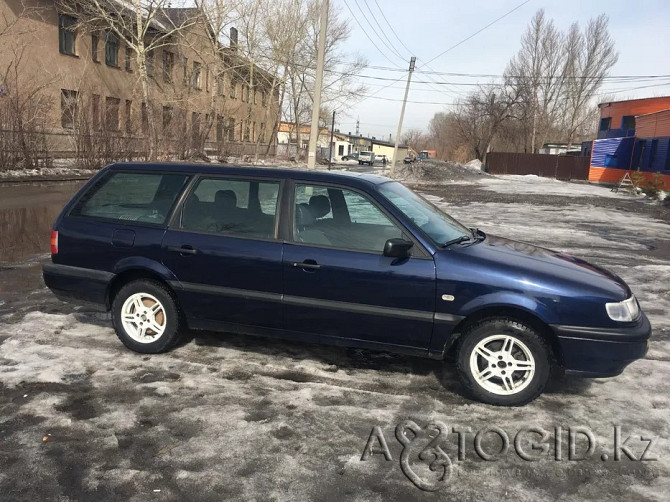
x: 397, y: 248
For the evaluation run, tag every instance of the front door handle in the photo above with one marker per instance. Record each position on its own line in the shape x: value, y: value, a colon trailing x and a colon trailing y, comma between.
x: 307, y: 265
x: 182, y: 250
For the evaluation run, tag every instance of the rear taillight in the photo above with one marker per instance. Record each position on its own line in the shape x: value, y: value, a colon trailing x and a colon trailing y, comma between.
x: 54, y: 242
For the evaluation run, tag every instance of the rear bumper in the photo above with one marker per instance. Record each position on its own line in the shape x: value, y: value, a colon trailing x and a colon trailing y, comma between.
x: 75, y: 283
x: 602, y: 352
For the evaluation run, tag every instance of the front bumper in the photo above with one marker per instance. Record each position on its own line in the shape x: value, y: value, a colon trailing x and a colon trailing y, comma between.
x: 602, y: 352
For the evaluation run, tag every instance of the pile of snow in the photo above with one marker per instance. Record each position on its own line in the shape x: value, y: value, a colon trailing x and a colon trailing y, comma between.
x: 47, y: 172
x: 474, y: 164
x: 435, y: 172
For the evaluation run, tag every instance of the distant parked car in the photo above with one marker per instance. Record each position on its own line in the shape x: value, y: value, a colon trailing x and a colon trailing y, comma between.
x: 351, y: 156
x: 366, y: 158
x: 354, y: 260
x: 408, y: 160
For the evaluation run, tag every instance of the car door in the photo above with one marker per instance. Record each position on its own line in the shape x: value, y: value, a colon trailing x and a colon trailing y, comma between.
x: 223, y: 248
x: 337, y: 283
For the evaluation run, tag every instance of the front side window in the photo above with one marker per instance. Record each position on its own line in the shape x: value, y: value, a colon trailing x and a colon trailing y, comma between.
x: 131, y: 197
x: 244, y: 208
x: 440, y: 227
x: 341, y: 218
x: 112, y: 50
x: 66, y: 34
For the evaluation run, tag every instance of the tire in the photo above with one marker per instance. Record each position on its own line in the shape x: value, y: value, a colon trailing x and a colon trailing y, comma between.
x: 140, y: 306
x: 503, y: 362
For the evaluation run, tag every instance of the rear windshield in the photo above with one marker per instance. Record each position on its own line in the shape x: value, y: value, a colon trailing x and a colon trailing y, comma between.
x: 124, y: 196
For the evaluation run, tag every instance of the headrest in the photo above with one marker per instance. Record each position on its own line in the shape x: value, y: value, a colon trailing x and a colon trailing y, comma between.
x: 225, y: 198
x: 303, y: 215
x: 320, y: 205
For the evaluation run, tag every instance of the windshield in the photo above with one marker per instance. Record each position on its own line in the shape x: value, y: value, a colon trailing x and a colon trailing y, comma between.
x: 439, y: 226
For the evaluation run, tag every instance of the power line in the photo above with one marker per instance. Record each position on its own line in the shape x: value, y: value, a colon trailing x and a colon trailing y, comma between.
x: 366, y: 33
x: 477, y: 32
x: 389, y: 44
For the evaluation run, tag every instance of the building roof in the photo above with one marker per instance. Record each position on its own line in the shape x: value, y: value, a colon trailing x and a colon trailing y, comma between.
x: 656, y: 98
x: 653, y: 113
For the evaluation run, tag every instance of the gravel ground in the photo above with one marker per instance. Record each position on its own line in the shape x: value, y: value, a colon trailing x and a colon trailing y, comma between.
x: 236, y: 418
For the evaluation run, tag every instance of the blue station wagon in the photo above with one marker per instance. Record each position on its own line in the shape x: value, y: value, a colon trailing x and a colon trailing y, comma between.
x: 348, y: 259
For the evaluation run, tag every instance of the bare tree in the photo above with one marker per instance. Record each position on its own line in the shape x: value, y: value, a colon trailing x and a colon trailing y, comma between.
x: 416, y: 139
x: 481, y: 115
x: 590, y: 56
x: 537, y: 73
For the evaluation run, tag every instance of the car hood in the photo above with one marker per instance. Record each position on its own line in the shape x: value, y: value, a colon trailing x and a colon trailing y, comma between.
x: 542, y: 268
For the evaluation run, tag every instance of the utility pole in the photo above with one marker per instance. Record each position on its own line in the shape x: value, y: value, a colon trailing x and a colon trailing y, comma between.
x: 314, y: 131
x: 332, y: 132
x: 402, y: 115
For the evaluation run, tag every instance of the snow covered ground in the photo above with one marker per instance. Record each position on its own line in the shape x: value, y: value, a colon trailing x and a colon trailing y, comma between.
x: 237, y: 418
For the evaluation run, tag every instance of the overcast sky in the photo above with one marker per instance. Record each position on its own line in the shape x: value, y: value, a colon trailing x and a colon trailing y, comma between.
x: 426, y: 28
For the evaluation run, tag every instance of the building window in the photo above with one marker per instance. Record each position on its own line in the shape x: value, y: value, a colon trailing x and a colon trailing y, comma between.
x: 67, y: 34
x: 219, y: 128
x: 112, y: 50
x: 128, y: 58
x: 112, y: 113
x: 197, y: 75
x: 231, y: 129
x: 628, y: 122
x: 129, y: 116
x: 246, y: 129
x: 94, y: 47
x: 255, y: 97
x: 219, y: 85
x: 95, y: 111
x: 145, y: 118
x: 167, y: 119
x: 168, y: 64
x: 207, y: 80
x: 605, y: 124
x: 185, y: 71
x: 69, y: 107
x: 264, y: 98
x: 233, y: 89
x: 261, y: 134
x: 195, y: 126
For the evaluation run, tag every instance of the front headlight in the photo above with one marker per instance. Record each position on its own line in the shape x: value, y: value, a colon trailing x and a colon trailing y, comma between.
x: 625, y: 311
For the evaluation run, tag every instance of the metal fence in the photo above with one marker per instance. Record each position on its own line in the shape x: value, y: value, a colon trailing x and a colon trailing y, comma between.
x: 562, y: 167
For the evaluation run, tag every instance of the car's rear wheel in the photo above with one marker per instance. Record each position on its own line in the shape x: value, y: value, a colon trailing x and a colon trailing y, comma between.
x: 504, y: 362
x: 146, y: 317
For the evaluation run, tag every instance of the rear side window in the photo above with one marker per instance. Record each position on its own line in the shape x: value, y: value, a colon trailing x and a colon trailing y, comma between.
x: 123, y: 196
x: 245, y: 208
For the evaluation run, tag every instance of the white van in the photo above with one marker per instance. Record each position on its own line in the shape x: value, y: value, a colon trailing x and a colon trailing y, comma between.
x: 366, y: 158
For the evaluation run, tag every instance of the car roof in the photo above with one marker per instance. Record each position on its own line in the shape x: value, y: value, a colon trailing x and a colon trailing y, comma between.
x: 350, y: 178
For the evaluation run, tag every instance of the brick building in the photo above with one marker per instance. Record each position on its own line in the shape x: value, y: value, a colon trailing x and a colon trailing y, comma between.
x: 86, y: 81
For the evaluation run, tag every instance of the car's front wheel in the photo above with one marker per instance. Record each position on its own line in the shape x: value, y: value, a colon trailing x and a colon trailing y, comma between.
x: 504, y: 362
x: 146, y: 317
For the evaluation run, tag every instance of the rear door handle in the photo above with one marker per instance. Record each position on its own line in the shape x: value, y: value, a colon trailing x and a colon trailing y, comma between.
x: 307, y: 264
x: 182, y: 250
